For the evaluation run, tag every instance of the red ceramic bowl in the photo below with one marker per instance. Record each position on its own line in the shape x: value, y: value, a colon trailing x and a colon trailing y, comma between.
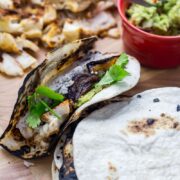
x: 151, y: 50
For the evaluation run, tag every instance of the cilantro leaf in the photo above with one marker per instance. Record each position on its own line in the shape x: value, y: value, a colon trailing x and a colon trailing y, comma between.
x: 117, y: 73
x: 47, y: 92
x: 106, y: 79
x: 35, y: 112
x: 33, y: 120
x: 122, y: 60
x: 37, y: 107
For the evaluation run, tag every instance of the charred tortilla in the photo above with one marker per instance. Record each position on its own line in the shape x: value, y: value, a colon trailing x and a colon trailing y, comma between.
x: 81, y: 79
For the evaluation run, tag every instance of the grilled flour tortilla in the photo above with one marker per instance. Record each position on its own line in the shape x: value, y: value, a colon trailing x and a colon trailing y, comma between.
x: 136, y: 139
x: 55, y: 93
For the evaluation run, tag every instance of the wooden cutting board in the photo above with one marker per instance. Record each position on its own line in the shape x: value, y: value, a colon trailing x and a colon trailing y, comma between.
x: 12, y: 168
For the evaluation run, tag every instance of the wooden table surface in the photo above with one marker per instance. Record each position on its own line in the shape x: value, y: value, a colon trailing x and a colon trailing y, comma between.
x: 12, y: 168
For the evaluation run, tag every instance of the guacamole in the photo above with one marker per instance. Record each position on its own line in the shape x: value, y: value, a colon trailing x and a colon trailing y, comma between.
x: 161, y: 19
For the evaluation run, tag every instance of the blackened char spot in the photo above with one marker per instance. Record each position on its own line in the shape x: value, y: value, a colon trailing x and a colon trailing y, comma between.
x: 82, y: 84
x: 25, y: 149
x: 139, y: 96
x: 150, y: 121
x: 58, y: 157
x: 156, y: 100
x: 17, y: 135
x: 178, y: 108
x: 19, y: 153
x: 163, y: 114
x: 67, y: 175
x: 175, y: 125
x: 1, y: 59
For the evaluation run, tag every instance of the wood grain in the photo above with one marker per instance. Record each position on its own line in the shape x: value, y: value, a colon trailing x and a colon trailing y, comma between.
x: 12, y: 168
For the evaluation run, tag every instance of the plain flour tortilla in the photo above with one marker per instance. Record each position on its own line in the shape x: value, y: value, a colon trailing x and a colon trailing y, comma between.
x: 135, y: 140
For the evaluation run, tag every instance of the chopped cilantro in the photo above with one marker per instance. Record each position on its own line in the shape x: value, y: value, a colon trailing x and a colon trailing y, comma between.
x: 116, y: 72
x: 37, y: 106
x: 122, y: 60
x: 47, y: 92
x: 35, y: 112
x: 106, y: 79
